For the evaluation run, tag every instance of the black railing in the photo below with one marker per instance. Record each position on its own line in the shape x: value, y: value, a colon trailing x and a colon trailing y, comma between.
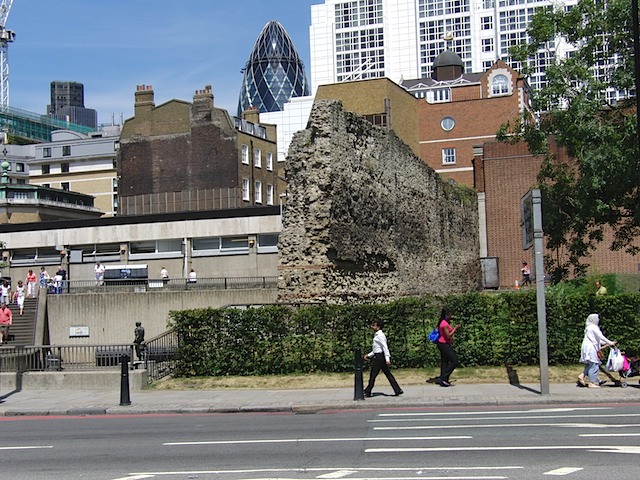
x: 158, y: 284
x: 157, y: 356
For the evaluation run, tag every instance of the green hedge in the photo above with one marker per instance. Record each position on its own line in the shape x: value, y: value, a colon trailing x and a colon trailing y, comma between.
x: 496, y: 329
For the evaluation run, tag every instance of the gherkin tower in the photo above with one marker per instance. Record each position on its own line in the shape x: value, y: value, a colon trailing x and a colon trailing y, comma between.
x: 274, y: 72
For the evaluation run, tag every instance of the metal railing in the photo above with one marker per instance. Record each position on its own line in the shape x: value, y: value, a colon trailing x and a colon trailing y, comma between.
x: 176, y: 284
x: 157, y: 356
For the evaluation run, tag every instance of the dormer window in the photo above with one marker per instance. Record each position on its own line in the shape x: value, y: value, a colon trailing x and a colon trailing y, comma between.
x: 500, y: 85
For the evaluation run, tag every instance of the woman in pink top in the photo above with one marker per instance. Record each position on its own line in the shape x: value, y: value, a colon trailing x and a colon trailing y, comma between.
x: 449, y: 358
x: 32, y: 280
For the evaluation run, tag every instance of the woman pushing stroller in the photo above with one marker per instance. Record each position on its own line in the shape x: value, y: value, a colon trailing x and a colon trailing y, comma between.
x: 593, y: 342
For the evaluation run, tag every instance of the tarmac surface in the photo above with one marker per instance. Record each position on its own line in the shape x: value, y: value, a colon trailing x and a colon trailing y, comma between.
x: 100, y: 402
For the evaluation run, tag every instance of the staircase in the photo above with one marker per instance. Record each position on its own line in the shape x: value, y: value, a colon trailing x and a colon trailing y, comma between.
x: 22, y: 331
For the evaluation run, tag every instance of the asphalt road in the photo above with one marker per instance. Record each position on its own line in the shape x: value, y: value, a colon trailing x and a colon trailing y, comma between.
x: 576, y: 442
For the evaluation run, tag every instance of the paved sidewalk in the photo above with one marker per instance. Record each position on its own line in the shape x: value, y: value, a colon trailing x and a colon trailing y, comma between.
x: 69, y: 402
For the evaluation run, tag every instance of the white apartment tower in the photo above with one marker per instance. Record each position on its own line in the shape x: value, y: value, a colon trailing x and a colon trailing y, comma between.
x: 400, y: 39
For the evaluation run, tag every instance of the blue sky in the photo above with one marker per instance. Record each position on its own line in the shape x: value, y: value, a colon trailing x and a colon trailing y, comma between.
x: 111, y: 46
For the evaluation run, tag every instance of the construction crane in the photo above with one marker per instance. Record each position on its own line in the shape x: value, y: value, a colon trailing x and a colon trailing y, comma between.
x: 6, y: 37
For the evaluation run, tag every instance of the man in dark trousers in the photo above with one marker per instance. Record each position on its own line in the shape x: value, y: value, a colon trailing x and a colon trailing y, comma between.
x: 380, y: 360
x: 138, y: 341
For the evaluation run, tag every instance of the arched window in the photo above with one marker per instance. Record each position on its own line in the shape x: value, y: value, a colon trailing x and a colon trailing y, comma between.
x: 500, y: 85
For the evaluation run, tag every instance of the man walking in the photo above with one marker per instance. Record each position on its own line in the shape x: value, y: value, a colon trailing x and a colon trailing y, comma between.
x: 380, y: 360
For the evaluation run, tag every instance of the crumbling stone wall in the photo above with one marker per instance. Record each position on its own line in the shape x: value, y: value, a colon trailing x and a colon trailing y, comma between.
x: 367, y: 221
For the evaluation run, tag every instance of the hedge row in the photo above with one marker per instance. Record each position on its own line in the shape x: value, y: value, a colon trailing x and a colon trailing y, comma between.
x: 496, y: 329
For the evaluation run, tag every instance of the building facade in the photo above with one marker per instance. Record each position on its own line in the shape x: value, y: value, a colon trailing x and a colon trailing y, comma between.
x: 458, y: 111
x: 80, y: 163
x: 401, y: 39
x: 67, y: 104
x: 274, y: 73
x: 182, y: 156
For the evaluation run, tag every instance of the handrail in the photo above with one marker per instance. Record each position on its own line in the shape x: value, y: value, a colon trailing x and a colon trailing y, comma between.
x: 172, y: 284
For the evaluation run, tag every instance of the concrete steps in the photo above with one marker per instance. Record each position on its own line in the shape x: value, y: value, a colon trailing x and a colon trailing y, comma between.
x: 22, y: 332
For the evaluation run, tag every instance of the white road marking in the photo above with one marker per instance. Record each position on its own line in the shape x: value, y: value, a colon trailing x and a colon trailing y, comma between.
x: 448, y: 419
x: 496, y: 412
x: 134, y: 477
x: 338, y: 474
x: 311, y: 440
x: 602, y: 449
x: 505, y: 425
x: 609, y: 435
x: 28, y: 447
x: 563, y: 471
x: 373, y: 470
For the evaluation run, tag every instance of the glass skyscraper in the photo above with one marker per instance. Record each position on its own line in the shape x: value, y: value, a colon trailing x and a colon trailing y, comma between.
x: 274, y: 72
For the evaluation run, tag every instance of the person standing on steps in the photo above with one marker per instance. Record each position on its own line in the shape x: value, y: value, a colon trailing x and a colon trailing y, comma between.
x: 448, y: 356
x: 19, y: 296
x: 32, y: 281
x: 6, y: 319
x: 380, y: 360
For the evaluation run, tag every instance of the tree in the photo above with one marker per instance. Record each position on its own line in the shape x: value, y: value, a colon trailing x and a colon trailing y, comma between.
x: 599, y: 188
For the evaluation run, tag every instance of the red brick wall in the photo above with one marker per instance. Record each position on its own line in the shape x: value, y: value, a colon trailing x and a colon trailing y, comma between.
x: 509, y: 172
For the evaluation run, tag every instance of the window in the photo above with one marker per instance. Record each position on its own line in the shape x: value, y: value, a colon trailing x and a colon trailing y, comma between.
x: 258, y: 192
x: 64, y: 167
x: 19, y: 167
x: 269, y: 194
x: 66, y: 150
x: 439, y: 95
x: 268, y: 243
x: 65, y: 186
x: 115, y: 184
x: 486, y: 23
x: 245, y: 154
x: 269, y: 161
x: 500, y: 85
x: 157, y: 248
x: 448, y: 156
x: 447, y: 123
x: 487, y: 44
x: 245, y: 189
x: 102, y: 252
x: 46, y: 152
x: 257, y: 158
x: 205, y: 243
x: 46, y: 185
x: 231, y: 244
x: 46, y: 169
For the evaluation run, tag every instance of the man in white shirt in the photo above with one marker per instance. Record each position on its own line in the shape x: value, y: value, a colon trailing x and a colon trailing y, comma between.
x: 99, y: 271
x: 380, y: 360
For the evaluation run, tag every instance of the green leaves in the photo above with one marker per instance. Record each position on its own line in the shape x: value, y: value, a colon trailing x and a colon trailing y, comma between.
x: 580, y: 108
x: 500, y: 329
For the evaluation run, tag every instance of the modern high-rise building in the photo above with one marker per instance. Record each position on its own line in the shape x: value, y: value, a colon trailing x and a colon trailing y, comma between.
x: 401, y: 39
x: 274, y: 73
x: 67, y: 103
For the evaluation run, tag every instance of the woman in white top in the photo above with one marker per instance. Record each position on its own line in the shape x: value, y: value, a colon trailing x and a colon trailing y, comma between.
x: 19, y: 296
x: 593, y: 342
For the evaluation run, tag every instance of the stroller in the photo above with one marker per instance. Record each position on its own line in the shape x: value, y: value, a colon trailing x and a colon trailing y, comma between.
x: 630, y: 367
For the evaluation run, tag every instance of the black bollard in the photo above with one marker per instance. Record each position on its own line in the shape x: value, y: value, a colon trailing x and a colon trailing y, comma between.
x: 358, y: 390
x: 125, y: 399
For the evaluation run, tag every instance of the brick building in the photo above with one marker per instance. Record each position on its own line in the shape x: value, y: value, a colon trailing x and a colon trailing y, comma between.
x: 182, y: 156
x: 457, y: 111
x: 504, y: 173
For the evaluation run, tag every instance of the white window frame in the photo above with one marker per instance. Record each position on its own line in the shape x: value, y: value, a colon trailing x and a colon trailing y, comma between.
x: 257, y: 189
x: 257, y: 158
x: 270, y: 161
x: 449, y: 156
x: 245, y: 154
x: 500, y: 83
x: 270, y: 194
x: 246, y: 196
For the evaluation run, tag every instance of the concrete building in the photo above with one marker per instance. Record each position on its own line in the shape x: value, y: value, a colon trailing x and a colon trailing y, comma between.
x: 79, y: 163
x: 401, y: 39
x: 67, y: 104
x: 182, y: 156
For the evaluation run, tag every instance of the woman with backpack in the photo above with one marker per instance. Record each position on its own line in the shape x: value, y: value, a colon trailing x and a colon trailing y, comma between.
x: 448, y: 356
